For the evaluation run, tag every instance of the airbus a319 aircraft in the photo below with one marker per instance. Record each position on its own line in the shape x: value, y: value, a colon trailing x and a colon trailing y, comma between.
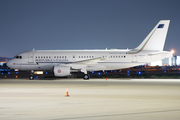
x: 63, y: 62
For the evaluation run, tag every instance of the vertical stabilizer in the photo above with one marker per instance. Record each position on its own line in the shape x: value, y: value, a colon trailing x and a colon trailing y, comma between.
x: 156, y: 38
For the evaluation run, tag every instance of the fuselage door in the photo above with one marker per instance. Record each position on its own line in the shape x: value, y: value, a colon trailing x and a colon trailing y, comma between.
x: 31, y: 57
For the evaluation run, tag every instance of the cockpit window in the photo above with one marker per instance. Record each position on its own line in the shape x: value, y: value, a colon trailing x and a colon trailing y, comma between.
x: 18, y: 57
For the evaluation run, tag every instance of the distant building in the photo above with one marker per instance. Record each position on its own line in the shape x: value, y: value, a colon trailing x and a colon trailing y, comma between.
x: 172, y: 61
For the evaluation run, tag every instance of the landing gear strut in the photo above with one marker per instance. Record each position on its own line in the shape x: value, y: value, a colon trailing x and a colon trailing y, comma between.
x: 86, y: 76
x: 31, y: 77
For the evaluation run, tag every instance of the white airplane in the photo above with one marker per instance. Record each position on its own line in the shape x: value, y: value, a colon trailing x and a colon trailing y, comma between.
x: 63, y: 62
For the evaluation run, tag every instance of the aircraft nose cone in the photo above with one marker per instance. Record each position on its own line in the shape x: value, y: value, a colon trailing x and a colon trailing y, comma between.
x: 9, y: 64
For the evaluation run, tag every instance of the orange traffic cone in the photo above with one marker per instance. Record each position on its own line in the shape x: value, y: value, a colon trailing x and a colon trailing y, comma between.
x: 67, y: 94
x: 106, y: 78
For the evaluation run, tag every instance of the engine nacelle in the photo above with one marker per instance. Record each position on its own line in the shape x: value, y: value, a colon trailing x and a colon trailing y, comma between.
x: 61, y: 71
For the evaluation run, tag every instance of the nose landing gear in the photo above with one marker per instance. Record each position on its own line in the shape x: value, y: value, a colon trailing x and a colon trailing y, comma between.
x: 31, y: 77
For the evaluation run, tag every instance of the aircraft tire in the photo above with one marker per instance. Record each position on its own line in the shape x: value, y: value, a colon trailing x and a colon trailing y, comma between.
x: 31, y: 77
x: 86, y: 77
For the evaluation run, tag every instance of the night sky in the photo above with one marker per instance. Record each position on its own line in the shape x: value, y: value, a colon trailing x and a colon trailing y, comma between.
x: 84, y: 24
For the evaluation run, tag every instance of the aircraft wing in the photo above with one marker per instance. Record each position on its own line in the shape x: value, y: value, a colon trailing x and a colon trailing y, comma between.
x: 87, y: 63
x: 90, y: 61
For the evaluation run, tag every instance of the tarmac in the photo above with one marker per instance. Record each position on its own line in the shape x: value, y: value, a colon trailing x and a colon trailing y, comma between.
x: 94, y: 99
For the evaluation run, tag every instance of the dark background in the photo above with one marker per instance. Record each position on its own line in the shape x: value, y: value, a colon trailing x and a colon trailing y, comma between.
x: 84, y: 24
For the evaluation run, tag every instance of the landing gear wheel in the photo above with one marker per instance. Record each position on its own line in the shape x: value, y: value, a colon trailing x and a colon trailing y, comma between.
x: 86, y: 77
x: 31, y: 77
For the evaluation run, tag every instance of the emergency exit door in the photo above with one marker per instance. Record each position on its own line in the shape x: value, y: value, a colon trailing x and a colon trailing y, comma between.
x: 134, y: 58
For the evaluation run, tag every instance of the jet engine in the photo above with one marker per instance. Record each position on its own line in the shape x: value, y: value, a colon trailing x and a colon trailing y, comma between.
x: 61, y: 71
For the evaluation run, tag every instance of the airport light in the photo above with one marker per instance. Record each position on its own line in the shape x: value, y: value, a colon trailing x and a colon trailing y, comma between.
x: 139, y: 72
x: 172, y: 51
x: 99, y: 73
x: 92, y: 71
x: 127, y: 71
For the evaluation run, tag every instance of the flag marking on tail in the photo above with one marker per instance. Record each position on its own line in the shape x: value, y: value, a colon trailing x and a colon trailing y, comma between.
x: 161, y: 26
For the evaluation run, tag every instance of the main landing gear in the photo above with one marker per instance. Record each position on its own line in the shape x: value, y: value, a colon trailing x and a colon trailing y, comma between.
x: 31, y: 77
x: 86, y: 76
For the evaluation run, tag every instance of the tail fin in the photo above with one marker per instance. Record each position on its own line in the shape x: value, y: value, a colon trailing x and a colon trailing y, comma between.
x: 156, y: 38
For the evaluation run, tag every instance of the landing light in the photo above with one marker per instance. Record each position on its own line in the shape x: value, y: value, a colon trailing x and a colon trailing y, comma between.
x: 38, y: 72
